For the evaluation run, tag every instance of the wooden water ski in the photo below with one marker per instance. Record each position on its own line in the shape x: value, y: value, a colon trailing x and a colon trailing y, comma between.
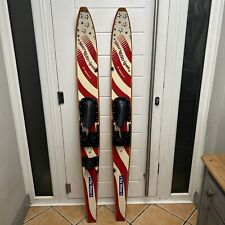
x: 88, y: 96
x: 121, y: 94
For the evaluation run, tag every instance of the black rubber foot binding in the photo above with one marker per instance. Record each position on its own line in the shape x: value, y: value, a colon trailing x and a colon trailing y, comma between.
x: 90, y: 163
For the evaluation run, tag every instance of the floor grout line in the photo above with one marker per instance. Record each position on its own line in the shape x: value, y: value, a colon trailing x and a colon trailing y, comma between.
x: 62, y: 215
x: 184, y: 220
x: 190, y: 215
x: 108, y: 208
x: 98, y: 207
x: 141, y: 213
x: 81, y: 220
x: 38, y: 214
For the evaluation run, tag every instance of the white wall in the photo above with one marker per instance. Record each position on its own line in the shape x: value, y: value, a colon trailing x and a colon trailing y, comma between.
x: 12, y: 191
x: 215, y: 133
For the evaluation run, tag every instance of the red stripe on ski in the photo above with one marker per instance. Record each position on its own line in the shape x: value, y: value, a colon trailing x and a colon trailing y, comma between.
x: 86, y: 70
x: 124, y: 127
x: 125, y: 47
x: 90, y: 218
x: 118, y: 214
x: 120, y: 68
x: 83, y: 91
x: 90, y: 47
x: 92, y: 128
x: 118, y: 91
x: 83, y: 152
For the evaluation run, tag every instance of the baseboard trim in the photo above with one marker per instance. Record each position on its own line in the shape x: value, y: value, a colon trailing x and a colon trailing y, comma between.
x: 21, y: 214
x: 110, y: 201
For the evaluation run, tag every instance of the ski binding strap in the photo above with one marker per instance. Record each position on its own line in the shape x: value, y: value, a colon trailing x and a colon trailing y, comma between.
x: 89, y: 139
x: 90, y: 163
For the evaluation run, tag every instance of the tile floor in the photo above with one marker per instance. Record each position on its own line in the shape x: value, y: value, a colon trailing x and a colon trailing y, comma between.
x: 161, y: 214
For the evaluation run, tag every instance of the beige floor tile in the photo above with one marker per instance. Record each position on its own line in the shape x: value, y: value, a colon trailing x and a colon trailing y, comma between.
x: 105, y: 216
x: 48, y: 217
x: 154, y: 215
x: 181, y: 210
x: 72, y: 213
x: 132, y: 210
x: 193, y: 219
x: 34, y: 211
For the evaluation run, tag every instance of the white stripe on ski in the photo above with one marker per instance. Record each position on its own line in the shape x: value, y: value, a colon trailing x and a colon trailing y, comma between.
x: 121, y: 198
x: 123, y: 156
x: 80, y: 96
x: 90, y: 152
x: 114, y: 95
x: 91, y: 200
x: 86, y: 84
x: 120, y: 84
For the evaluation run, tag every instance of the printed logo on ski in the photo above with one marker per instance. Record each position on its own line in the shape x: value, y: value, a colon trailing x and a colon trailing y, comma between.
x: 90, y: 64
x: 90, y: 187
x: 124, y: 62
x: 121, y: 185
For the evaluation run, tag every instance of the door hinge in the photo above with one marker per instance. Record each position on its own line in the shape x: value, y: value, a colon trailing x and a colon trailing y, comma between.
x: 68, y: 188
x: 158, y: 168
x: 60, y: 95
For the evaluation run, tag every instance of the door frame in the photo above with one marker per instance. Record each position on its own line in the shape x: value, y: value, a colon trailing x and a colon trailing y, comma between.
x: 46, y: 56
x: 173, y: 71
x: 14, y: 91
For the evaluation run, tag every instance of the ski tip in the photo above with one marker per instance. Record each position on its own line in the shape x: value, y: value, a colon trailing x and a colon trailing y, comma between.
x: 122, y: 10
x: 83, y: 9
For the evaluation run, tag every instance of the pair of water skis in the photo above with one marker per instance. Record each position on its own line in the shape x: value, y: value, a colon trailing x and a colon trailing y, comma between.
x: 121, y: 99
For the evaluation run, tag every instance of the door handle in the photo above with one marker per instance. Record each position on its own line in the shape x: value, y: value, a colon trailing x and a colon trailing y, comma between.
x: 157, y: 100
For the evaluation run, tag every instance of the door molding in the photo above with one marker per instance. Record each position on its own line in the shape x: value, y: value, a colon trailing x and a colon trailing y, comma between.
x: 173, y: 70
x: 41, y: 11
x: 44, y: 36
x: 154, y: 144
x: 15, y: 96
x: 215, y: 23
x: 174, y: 61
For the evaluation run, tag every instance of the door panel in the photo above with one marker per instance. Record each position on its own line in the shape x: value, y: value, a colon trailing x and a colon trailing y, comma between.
x: 187, y: 38
x: 193, y: 62
x: 64, y: 16
x: 31, y: 94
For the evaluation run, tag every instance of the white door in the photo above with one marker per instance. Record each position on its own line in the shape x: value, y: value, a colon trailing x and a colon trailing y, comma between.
x: 170, y: 59
x: 188, y: 77
x: 141, y: 15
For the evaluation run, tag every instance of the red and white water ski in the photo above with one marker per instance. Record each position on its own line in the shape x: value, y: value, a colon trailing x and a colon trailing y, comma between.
x: 121, y: 93
x: 88, y: 96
